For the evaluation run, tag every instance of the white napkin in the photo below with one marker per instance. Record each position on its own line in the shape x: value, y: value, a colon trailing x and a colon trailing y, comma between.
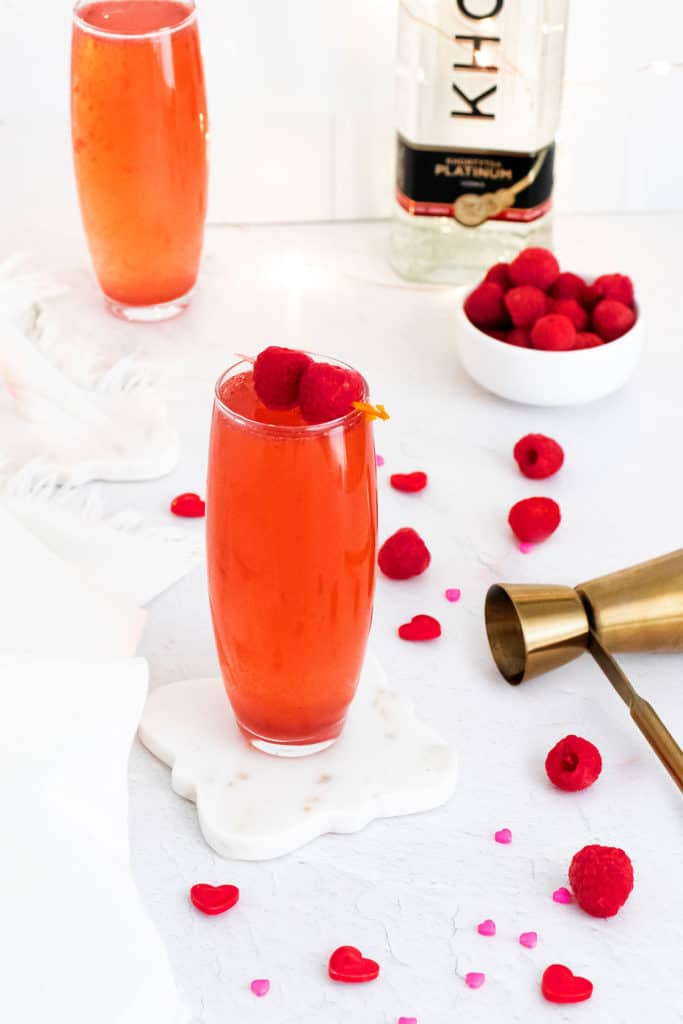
x: 76, y: 947
x: 115, y: 429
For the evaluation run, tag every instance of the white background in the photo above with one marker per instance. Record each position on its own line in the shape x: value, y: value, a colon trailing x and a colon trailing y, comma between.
x: 301, y: 97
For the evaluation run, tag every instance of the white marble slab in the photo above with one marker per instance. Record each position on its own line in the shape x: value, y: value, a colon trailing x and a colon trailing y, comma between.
x: 253, y: 806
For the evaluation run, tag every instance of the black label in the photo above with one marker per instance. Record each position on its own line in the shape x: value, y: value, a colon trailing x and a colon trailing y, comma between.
x: 495, y: 181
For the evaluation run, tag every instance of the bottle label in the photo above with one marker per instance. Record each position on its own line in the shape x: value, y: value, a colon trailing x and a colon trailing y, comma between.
x: 474, y: 187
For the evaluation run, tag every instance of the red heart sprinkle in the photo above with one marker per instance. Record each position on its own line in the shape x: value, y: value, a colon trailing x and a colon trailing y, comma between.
x: 420, y: 627
x: 410, y: 483
x: 188, y: 505
x: 214, y: 899
x: 348, y: 964
x: 559, y: 985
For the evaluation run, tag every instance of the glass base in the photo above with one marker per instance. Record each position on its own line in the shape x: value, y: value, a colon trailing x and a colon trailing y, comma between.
x: 276, y: 749
x: 149, y: 314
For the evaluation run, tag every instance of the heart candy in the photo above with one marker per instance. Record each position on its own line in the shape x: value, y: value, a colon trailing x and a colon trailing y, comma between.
x: 348, y: 964
x: 559, y: 985
x: 188, y: 505
x: 410, y: 483
x: 420, y: 627
x: 214, y: 899
x: 487, y: 927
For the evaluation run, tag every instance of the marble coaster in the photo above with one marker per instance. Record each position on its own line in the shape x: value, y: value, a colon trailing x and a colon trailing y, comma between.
x: 252, y: 806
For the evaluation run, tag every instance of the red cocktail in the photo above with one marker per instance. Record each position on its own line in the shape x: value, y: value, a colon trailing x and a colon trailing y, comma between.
x: 139, y: 126
x: 291, y: 538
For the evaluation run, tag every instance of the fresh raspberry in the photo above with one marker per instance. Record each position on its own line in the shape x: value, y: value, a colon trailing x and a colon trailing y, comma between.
x: 553, y: 333
x: 484, y: 306
x: 500, y: 274
x: 327, y: 392
x: 526, y: 305
x: 497, y: 332
x: 586, y: 339
x: 601, y: 878
x: 535, y: 266
x: 538, y: 456
x: 519, y: 337
x: 534, y: 519
x: 573, y: 764
x: 611, y: 319
x: 277, y: 376
x: 569, y: 286
x: 403, y: 555
x: 614, y: 286
x: 410, y: 483
x: 573, y: 311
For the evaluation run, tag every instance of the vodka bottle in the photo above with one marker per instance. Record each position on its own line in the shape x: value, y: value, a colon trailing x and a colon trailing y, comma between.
x: 479, y: 85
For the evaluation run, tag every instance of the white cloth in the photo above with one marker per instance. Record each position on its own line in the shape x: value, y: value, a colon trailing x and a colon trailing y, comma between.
x: 76, y: 946
x: 116, y: 428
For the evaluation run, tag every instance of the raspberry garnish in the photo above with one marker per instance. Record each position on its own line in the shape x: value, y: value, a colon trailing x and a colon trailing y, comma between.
x: 573, y: 311
x: 569, y: 286
x: 188, y: 505
x: 499, y: 273
x: 611, y: 319
x: 526, y: 304
x: 586, y: 339
x: 573, y: 764
x: 534, y: 519
x: 535, y: 266
x: 277, y: 376
x: 420, y: 628
x: 411, y: 483
x: 327, y: 392
x: 602, y: 879
x: 485, y: 307
x: 403, y: 555
x: 538, y: 456
x: 614, y: 286
x: 554, y: 333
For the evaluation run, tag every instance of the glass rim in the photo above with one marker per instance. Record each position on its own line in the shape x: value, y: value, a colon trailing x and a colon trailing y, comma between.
x: 97, y: 30
x: 281, y: 429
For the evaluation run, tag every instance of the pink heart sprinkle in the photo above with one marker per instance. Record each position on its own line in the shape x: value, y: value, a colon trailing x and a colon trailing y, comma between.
x: 380, y: 461
x: 475, y: 979
x: 563, y: 895
x: 453, y: 594
x: 504, y: 836
x: 487, y: 927
x: 407, y: 1020
x: 260, y: 987
x: 525, y: 547
x: 529, y: 940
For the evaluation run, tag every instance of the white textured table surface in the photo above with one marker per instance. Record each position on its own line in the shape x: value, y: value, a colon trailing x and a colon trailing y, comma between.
x: 409, y: 892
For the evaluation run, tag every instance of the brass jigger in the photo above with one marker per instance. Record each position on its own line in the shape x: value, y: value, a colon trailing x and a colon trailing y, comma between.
x: 533, y: 628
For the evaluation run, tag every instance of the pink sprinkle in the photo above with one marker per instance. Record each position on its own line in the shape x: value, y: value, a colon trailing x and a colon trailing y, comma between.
x: 487, y: 927
x: 407, y: 1020
x: 260, y: 987
x: 453, y: 594
x: 380, y: 461
x: 563, y: 895
x: 475, y: 979
x: 504, y: 836
x: 529, y: 940
x: 526, y: 547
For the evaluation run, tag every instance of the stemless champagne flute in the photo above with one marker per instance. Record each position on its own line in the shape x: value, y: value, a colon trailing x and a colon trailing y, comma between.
x: 291, y: 549
x: 139, y: 132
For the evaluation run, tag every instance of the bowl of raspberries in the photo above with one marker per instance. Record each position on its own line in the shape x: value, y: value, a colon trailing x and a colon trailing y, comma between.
x: 533, y: 333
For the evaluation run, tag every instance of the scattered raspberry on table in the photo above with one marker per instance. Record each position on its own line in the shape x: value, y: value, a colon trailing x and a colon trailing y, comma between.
x: 573, y: 764
x: 534, y: 519
x: 601, y: 878
x: 403, y: 555
x: 538, y: 456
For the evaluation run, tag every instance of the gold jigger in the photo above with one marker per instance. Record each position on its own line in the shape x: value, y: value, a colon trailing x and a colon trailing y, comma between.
x: 533, y: 628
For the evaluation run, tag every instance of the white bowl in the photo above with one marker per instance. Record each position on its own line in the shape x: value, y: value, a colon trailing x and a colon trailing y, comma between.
x: 537, y: 377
